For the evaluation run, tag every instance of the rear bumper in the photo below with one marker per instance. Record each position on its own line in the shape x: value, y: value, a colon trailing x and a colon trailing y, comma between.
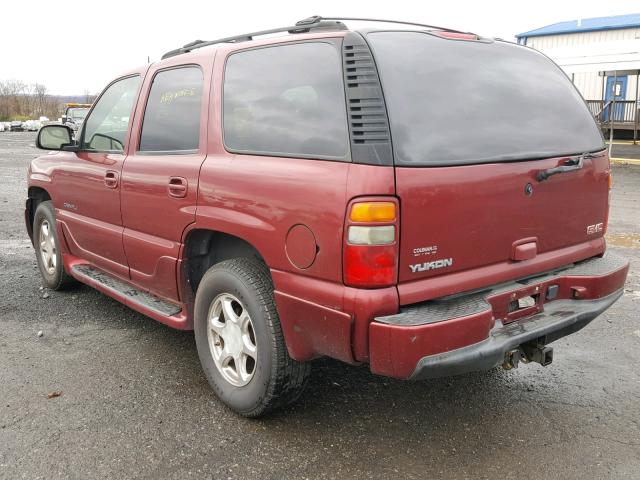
x: 474, y: 332
x: 560, y: 319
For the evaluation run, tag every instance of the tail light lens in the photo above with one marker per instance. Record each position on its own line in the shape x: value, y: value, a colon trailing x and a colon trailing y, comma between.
x: 371, y: 250
x: 373, y: 212
x: 358, y: 235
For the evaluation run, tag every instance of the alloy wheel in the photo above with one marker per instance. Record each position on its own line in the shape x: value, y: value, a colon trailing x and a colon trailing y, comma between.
x: 48, y: 249
x: 232, y: 340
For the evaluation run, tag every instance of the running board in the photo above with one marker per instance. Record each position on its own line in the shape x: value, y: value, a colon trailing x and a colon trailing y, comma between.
x: 131, y: 293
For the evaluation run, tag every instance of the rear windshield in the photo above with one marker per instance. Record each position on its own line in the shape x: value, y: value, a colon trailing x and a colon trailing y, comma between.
x: 458, y: 102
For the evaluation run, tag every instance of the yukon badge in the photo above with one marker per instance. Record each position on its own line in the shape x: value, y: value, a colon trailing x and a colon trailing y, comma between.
x: 422, y: 267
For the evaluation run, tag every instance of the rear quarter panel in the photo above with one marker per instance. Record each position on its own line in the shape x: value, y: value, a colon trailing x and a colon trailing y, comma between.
x: 260, y: 199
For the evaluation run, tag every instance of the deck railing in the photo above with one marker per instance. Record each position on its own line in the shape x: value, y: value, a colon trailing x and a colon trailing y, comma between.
x: 622, y: 111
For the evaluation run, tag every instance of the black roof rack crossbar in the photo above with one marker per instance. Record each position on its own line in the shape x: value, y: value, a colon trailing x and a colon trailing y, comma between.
x: 303, y: 26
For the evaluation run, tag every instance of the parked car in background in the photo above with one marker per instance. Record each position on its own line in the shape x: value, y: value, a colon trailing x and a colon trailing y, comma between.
x: 341, y: 193
x: 16, y: 126
x: 31, y: 125
x: 75, y: 114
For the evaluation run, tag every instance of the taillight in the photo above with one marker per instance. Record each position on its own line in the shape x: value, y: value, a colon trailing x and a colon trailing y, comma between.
x: 373, y: 212
x: 371, y: 244
x: 358, y: 235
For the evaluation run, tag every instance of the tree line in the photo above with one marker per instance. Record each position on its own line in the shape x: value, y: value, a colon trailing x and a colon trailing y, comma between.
x: 22, y: 101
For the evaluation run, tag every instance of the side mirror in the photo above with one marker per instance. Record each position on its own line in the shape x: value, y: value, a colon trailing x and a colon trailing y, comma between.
x: 54, y: 137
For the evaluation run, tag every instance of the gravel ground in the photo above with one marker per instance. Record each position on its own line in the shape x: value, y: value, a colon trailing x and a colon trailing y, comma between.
x: 134, y: 402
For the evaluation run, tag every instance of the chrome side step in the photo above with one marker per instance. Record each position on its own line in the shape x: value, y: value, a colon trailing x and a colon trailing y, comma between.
x: 132, y: 293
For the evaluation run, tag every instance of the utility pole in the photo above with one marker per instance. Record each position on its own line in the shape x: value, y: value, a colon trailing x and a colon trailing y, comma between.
x: 613, y: 110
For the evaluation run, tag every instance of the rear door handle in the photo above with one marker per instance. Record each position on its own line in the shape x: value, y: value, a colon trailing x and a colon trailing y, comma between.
x: 178, y: 187
x: 111, y: 179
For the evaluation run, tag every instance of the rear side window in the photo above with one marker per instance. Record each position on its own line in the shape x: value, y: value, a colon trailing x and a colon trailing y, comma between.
x: 172, y: 118
x: 286, y: 101
x: 455, y: 102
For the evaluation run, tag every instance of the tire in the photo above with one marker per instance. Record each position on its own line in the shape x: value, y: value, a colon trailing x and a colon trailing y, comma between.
x: 272, y: 380
x: 47, y: 246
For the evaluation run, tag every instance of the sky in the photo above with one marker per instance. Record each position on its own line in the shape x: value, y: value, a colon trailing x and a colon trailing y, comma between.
x: 78, y: 46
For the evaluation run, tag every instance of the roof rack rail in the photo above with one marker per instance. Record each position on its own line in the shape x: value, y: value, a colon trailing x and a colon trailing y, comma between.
x: 303, y: 26
x: 399, y: 22
x: 315, y: 22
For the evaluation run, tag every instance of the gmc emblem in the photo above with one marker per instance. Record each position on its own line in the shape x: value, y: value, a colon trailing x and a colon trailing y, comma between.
x: 591, y: 229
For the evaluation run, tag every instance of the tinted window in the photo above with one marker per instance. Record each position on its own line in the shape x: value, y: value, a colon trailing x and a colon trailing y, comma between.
x: 106, y: 127
x: 286, y: 100
x: 172, y: 117
x: 453, y: 102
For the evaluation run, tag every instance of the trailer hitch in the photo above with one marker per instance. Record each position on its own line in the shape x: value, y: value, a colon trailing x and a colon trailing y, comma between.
x: 533, y: 351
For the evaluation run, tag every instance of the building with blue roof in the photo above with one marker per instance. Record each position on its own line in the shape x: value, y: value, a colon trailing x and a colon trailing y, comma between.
x: 602, y: 57
x: 599, y: 24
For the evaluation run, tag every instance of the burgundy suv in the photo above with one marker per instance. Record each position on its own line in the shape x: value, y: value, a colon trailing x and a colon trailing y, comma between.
x: 423, y: 200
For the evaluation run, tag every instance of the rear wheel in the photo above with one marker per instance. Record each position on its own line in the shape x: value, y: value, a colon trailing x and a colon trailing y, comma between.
x: 240, y: 341
x: 47, y: 245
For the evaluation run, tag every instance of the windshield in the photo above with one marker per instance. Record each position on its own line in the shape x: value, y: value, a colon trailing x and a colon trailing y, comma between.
x: 77, y: 114
x: 458, y: 102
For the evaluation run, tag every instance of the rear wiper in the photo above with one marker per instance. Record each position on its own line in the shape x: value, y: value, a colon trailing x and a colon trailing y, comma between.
x: 570, y: 164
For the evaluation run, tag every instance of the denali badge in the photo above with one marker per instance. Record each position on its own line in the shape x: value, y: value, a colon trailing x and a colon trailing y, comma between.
x: 421, y: 267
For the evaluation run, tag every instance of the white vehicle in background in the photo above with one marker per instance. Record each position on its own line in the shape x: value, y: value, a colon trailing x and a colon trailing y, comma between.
x: 31, y: 126
x: 74, y: 114
x: 1, y: 127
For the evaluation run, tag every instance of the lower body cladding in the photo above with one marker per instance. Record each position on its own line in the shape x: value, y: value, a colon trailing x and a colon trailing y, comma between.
x: 498, y: 326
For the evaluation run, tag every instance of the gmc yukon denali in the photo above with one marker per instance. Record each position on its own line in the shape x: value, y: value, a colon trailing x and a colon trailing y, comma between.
x: 422, y: 200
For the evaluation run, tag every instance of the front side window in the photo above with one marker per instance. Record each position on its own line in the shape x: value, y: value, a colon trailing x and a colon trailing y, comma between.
x: 172, y: 117
x: 107, y: 126
x: 286, y: 100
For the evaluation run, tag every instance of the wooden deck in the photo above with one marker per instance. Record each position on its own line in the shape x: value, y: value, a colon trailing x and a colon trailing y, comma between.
x: 623, y: 115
